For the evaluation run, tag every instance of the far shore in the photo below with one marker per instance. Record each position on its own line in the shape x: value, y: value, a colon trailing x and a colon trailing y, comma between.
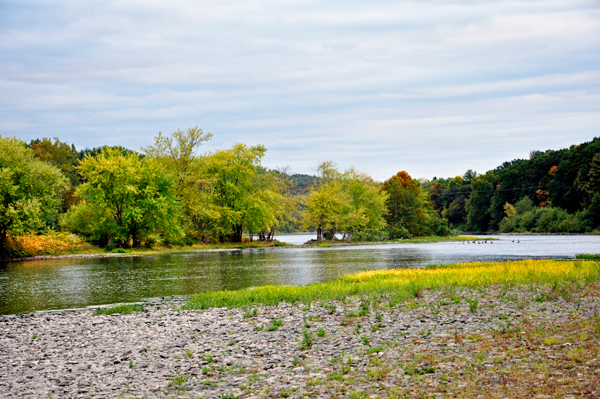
x: 232, y: 247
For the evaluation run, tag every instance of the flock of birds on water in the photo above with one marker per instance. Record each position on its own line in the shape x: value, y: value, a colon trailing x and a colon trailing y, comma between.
x: 485, y: 242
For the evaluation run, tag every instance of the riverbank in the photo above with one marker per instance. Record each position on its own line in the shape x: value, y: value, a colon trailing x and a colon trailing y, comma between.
x: 535, y: 333
x: 512, y: 344
x: 89, y: 251
x: 96, y: 252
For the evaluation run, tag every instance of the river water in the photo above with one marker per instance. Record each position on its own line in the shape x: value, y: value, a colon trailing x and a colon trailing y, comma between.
x: 73, y: 283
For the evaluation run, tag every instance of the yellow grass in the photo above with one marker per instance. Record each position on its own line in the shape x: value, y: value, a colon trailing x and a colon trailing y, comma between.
x: 401, y: 284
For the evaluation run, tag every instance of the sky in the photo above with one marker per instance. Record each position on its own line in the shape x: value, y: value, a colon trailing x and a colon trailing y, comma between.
x: 430, y: 87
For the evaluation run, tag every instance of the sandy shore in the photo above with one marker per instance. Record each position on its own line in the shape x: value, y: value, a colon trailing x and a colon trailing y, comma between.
x: 498, y: 342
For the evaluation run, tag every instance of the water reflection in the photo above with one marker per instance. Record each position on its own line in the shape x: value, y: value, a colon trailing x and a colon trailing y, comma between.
x: 68, y: 283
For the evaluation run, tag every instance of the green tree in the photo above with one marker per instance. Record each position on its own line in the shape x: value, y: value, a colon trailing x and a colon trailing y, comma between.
x: 125, y: 198
x: 348, y: 202
x: 177, y: 153
x: 366, y: 211
x: 324, y: 206
x: 276, y: 189
x: 478, y: 204
x: 64, y: 157
x: 409, y: 209
x: 30, y: 191
x: 233, y: 192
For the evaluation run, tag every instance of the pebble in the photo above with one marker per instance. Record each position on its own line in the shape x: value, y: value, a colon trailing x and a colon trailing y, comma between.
x: 215, y: 353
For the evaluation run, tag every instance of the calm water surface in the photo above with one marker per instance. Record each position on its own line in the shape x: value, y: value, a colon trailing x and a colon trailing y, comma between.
x: 61, y: 284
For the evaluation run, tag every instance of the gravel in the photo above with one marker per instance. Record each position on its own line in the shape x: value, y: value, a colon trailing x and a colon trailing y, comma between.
x: 503, y: 342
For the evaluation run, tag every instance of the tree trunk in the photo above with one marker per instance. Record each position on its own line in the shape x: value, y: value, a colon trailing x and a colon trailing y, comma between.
x: 319, y: 234
x: 271, y: 233
x: 237, y: 233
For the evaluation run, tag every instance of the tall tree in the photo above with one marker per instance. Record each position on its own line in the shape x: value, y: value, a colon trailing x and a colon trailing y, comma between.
x: 30, y: 191
x: 409, y: 209
x: 478, y: 204
x: 232, y: 188
x: 348, y: 202
x: 64, y: 157
x: 126, y: 198
x: 178, y: 155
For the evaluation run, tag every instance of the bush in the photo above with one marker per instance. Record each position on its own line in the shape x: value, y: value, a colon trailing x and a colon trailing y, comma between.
x: 546, y: 220
x: 50, y: 243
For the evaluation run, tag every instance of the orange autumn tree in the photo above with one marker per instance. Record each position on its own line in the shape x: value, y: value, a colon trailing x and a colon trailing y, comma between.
x: 410, y: 211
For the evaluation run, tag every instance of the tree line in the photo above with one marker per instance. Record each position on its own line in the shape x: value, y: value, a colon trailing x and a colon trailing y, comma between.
x: 552, y: 191
x: 170, y: 193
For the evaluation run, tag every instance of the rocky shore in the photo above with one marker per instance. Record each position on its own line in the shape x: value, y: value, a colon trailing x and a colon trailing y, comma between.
x: 499, y: 342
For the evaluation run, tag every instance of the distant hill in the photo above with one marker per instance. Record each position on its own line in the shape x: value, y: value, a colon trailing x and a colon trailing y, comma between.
x: 302, y: 184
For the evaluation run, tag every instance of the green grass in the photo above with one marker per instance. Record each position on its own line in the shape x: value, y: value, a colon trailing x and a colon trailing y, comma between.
x: 588, y: 256
x: 121, y: 308
x: 398, y: 285
x: 275, y: 325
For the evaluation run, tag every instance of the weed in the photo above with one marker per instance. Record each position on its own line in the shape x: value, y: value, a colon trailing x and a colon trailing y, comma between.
x: 285, y: 393
x: 364, y: 308
x: 189, y: 353
x: 306, y: 324
x: 473, y: 304
x: 251, y: 313
x: 330, y: 308
x: 296, y: 361
x: 121, y: 308
x: 308, y: 340
x: 412, y: 370
x: 259, y: 328
x: 597, y: 323
x: 275, y: 325
x: 364, y: 340
x: 320, y: 332
x: 252, y: 378
x: 132, y: 364
x: 34, y: 336
x: 178, y: 380
x: 375, y: 349
x: 575, y: 355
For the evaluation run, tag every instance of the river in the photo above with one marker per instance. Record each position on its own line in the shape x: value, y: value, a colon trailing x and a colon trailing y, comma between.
x: 74, y: 283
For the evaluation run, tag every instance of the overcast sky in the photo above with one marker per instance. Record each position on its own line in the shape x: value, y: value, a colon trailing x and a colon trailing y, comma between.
x: 430, y: 87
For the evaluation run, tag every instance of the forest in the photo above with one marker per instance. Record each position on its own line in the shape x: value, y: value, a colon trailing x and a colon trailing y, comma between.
x: 551, y: 192
x: 170, y: 193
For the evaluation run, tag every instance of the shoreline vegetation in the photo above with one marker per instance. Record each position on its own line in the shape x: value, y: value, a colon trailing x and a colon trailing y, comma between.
x: 398, y: 285
x: 64, y: 245
x: 169, y: 194
x: 520, y: 328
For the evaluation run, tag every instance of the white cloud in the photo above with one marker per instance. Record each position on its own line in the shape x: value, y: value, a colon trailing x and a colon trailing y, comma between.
x: 431, y: 87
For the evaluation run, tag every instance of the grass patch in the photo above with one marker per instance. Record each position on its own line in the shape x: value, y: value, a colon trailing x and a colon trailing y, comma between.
x: 400, y: 285
x: 121, y: 308
x: 588, y: 256
x: 275, y: 325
